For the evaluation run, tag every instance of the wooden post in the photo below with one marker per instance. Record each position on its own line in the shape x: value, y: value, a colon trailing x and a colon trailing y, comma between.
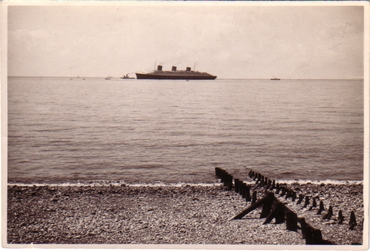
x: 291, y: 221
x: 242, y: 189
x: 321, y: 207
x: 269, y: 183
x: 308, y: 233
x: 301, y: 196
x: 273, y: 184
x: 230, y: 184
x: 254, y: 197
x: 259, y: 177
x: 352, y: 221
x: 329, y: 214
x: 277, y: 190
x: 279, y: 213
x: 313, y: 204
x: 264, y: 181
x: 255, y: 176
x: 288, y: 194
x: 284, y: 191
x: 312, y: 235
x: 221, y: 174
x: 306, y: 202
x: 237, y: 185
x: 247, y: 193
x: 267, y: 205
x: 340, y: 217
x: 294, y: 196
x: 317, y: 237
x: 228, y: 181
x: 217, y: 170
x: 304, y: 226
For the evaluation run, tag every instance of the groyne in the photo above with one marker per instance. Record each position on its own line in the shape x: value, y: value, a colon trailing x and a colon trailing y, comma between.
x: 286, y: 205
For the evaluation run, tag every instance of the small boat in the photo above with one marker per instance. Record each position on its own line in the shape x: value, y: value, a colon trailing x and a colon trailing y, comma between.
x: 108, y: 78
x: 275, y: 78
x: 127, y: 77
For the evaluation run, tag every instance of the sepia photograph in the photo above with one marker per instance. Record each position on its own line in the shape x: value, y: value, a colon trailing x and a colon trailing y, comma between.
x: 197, y: 125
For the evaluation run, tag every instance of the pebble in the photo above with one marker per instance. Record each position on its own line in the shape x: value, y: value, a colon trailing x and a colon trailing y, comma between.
x: 147, y: 215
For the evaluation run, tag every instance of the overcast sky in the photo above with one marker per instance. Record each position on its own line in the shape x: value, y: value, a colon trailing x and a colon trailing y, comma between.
x: 230, y: 41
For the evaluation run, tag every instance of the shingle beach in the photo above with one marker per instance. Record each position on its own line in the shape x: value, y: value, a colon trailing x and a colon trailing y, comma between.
x: 169, y: 214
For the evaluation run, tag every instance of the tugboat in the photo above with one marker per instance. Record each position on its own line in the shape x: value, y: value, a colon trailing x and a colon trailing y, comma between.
x: 127, y: 77
x: 188, y: 74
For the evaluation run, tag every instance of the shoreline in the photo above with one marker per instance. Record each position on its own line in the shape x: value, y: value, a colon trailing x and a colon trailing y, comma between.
x: 178, y: 184
x: 183, y: 214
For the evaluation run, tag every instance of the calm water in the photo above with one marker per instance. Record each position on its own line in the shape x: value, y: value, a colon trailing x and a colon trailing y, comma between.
x: 64, y: 130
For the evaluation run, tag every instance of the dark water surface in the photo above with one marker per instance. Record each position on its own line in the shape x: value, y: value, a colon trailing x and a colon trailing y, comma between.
x: 64, y: 130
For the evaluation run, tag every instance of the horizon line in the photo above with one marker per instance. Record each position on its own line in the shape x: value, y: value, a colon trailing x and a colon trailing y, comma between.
x: 354, y: 78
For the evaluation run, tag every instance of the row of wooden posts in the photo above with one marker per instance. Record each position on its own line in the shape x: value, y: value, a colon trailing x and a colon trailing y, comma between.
x: 289, y: 193
x: 272, y: 208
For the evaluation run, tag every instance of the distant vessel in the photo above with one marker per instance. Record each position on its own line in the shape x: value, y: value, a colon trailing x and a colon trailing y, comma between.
x: 108, y: 78
x: 188, y: 74
x: 127, y: 77
x: 275, y: 78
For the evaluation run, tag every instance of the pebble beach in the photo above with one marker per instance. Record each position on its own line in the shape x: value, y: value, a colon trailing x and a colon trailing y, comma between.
x: 170, y: 214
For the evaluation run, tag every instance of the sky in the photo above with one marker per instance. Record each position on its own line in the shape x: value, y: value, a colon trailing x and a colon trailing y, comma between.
x: 230, y: 40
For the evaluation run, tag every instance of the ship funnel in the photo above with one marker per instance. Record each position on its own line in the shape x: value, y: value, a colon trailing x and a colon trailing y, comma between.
x: 159, y: 67
x: 188, y: 69
x: 173, y: 68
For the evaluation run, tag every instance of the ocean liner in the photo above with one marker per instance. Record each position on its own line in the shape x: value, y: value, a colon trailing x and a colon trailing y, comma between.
x: 188, y: 74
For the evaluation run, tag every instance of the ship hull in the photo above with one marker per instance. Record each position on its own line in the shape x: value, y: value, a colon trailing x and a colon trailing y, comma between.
x: 185, y: 76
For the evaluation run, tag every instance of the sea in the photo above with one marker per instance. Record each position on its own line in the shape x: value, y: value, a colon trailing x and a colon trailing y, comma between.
x: 84, y: 130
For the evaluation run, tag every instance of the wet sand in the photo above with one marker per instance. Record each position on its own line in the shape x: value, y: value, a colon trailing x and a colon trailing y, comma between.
x: 187, y: 214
